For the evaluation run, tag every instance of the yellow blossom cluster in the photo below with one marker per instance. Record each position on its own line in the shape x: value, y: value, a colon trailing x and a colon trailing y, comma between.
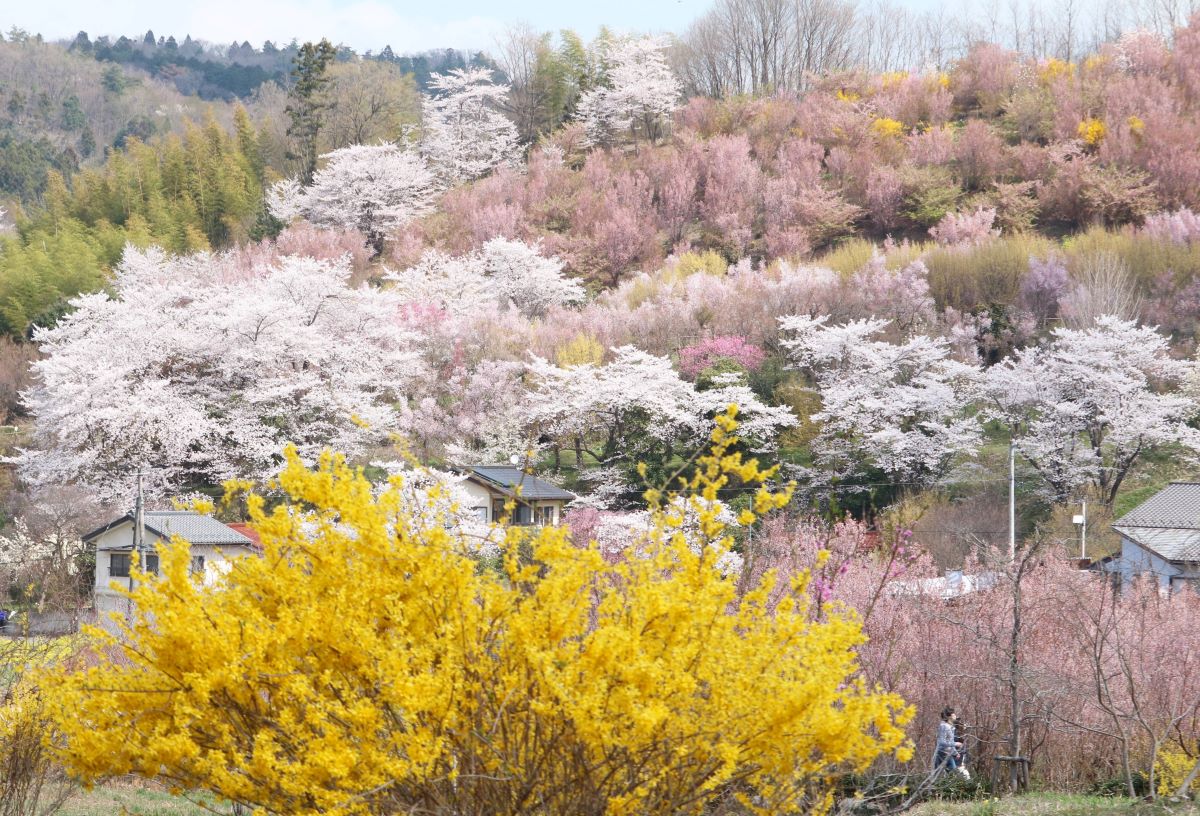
x: 1091, y: 131
x: 1053, y: 68
x: 369, y: 664
x: 888, y: 128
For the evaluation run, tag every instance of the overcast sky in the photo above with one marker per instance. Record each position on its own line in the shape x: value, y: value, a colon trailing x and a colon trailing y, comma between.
x: 406, y: 25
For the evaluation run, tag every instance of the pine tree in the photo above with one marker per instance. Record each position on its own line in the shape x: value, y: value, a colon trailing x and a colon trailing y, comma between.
x: 307, y: 103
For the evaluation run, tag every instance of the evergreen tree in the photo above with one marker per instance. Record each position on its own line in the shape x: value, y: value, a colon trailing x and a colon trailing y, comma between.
x: 307, y: 103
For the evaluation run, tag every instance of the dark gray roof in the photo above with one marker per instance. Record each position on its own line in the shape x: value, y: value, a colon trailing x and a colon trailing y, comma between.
x: 1167, y: 523
x: 192, y: 527
x: 507, y: 479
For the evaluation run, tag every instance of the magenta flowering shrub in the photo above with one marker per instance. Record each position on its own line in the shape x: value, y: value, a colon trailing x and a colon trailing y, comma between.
x: 696, y: 358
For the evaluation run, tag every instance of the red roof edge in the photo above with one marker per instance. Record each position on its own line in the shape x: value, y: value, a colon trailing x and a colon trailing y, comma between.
x: 248, y: 531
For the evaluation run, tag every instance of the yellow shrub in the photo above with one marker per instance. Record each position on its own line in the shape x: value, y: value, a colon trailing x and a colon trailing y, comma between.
x: 1092, y: 131
x: 888, y: 128
x: 1136, y: 125
x: 844, y: 95
x: 581, y: 350
x: 1054, y: 68
x: 1172, y: 767
x: 365, y: 664
x: 691, y: 263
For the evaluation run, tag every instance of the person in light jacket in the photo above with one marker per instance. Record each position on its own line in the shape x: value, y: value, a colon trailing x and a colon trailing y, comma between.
x: 947, y: 746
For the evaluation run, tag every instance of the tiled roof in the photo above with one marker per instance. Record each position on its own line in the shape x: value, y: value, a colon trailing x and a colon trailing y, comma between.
x: 509, y: 478
x: 1176, y: 505
x: 192, y: 527
x: 1172, y: 543
x: 1167, y: 523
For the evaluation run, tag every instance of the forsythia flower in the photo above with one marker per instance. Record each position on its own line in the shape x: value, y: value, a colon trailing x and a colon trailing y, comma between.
x: 1136, y: 125
x: 1054, y: 68
x: 888, y: 128
x: 844, y: 95
x: 1092, y: 131
x: 367, y: 664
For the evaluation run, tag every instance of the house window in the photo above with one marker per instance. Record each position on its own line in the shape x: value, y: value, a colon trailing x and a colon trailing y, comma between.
x: 522, y: 514
x: 481, y: 513
x: 544, y: 515
x: 118, y: 565
x: 197, y: 565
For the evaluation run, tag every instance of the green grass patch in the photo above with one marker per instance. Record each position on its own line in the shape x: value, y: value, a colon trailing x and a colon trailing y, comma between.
x: 125, y: 798
x: 1059, y: 804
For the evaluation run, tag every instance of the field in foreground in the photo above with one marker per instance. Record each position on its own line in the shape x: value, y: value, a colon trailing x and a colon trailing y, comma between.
x: 1058, y: 804
x: 136, y: 799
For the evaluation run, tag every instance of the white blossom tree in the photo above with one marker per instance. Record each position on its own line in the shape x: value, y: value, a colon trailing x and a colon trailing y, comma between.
x: 502, y: 271
x: 464, y: 134
x: 638, y: 95
x: 374, y: 189
x: 1085, y: 406
x: 899, y: 409
x: 199, y: 375
x: 636, y: 409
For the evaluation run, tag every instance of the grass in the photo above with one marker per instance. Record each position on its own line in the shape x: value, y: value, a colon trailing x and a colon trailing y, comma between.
x: 133, y: 799
x: 1058, y: 804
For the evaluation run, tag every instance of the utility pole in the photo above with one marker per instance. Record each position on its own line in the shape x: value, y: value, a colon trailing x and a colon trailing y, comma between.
x: 1083, y: 533
x: 1081, y: 520
x: 1012, y: 501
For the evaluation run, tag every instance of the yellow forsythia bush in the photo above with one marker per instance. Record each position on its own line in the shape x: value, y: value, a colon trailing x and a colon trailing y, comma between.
x: 368, y: 664
x: 1171, y: 767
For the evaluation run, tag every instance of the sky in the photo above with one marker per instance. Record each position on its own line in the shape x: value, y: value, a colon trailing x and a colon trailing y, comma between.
x: 406, y: 25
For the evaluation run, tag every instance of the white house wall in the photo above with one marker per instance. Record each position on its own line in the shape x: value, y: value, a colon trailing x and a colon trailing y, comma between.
x: 480, y: 496
x: 217, y: 560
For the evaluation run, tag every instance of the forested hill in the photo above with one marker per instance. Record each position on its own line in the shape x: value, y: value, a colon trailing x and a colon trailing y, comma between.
x: 237, y: 70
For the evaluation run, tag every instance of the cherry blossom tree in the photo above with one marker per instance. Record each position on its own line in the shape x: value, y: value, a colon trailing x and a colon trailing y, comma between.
x: 374, y: 189
x: 638, y: 95
x: 635, y: 410
x: 197, y: 371
x: 502, y: 271
x: 465, y: 136
x: 1087, y: 405
x: 898, y: 409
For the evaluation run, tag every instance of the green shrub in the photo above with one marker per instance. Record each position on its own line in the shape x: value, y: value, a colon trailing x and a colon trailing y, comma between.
x: 970, y: 279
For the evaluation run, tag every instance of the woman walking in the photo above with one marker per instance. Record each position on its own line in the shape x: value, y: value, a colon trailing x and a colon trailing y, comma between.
x: 948, y: 747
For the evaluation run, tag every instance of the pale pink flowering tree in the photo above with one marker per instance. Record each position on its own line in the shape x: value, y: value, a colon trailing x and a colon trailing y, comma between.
x: 966, y: 229
x: 373, y: 189
x: 200, y: 377
x: 637, y: 94
x: 502, y: 272
x: 636, y: 409
x: 464, y: 134
x: 1089, y: 403
x: 897, y: 408
x: 1180, y: 226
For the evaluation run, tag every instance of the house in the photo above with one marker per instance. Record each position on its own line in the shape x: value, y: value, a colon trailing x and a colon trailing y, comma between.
x: 537, y: 501
x: 1161, y: 538
x: 953, y: 585
x: 213, y: 548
